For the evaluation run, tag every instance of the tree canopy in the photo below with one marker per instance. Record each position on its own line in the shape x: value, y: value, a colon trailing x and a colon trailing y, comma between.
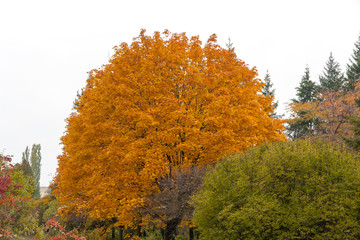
x: 289, y: 190
x: 163, y: 102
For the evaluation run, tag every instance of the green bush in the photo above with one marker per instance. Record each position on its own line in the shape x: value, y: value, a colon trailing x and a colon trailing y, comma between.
x: 24, y: 221
x: 154, y: 234
x: 288, y: 190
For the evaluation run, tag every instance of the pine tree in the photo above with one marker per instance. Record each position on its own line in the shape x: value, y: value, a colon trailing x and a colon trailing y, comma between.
x: 306, y: 92
x: 268, y: 90
x: 332, y: 78
x: 353, y: 69
x: 35, y: 159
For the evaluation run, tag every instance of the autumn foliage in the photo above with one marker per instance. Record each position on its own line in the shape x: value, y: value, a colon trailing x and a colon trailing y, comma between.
x: 163, y: 102
x: 7, y: 190
x: 8, y: 196
x: 332, y: 110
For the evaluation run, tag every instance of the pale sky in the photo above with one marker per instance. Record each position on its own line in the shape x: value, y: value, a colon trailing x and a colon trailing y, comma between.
x: 47, y: 47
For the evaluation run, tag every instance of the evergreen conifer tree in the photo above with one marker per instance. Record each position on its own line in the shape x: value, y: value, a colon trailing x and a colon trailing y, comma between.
x: 268, y: 90
x: 35, y: 159
x: 332, y: 78
x: 353, y: 69
x: 306, y: 92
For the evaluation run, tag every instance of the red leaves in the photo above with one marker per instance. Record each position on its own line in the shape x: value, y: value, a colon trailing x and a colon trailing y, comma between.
x: 7, y: 190
x: 59, y: 233
x: 5, y: 180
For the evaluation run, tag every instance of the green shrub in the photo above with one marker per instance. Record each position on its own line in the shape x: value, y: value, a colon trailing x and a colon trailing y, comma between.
x: 288, y: 190
x: 94, y: 234
x: 154, y: 234
x: 24, y: 221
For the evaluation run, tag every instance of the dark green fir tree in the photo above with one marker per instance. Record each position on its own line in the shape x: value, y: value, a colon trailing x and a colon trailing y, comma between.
x: 332, y: 79
x: 353, y: 68
x: 268, y: 90
x: 306, y: 92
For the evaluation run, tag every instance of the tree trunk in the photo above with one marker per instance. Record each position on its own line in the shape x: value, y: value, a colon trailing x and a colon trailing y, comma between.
x: 144, y: 233
x: 121, y: 230
x: 163, y: 232
x: 112, y: 233
x: 171, y: 228
x: 191, y: 233
x: 138, y: 231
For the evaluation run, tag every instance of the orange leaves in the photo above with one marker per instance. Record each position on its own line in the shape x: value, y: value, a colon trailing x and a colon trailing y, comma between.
x: 332, y: 110
x: 162, y: 102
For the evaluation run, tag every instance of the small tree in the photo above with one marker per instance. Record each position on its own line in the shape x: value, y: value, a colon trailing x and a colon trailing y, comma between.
x: 6, y: 191
x: 35, y: 159
x: 289, y: 190
x: 24, y: 217
x: 8, y: 196
x: 170, y: 204
x: 332, y: 111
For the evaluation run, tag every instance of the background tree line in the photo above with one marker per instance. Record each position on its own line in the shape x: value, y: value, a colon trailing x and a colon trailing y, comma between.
x: 325, y: 108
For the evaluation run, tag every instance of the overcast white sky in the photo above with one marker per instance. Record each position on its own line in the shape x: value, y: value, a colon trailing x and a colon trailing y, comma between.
x: 47, y: 47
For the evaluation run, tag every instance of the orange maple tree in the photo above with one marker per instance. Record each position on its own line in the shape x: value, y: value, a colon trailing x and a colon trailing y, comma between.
x: 164, y: 102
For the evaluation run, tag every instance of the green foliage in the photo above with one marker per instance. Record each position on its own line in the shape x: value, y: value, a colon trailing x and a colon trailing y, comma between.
x: 46, y: 209
x: 268, y: 90
x: 94, y: 234
x: 25, y: 219
x: 51, y: 210
x: 332, y: 78
x: 306, y: 92
x: 353, y: 69
x: 25, y: 164
x: 35, y: 159
x: 354, y: 142
x: 154, y: 234
x: 268, y: 87
x: 288, y: 190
